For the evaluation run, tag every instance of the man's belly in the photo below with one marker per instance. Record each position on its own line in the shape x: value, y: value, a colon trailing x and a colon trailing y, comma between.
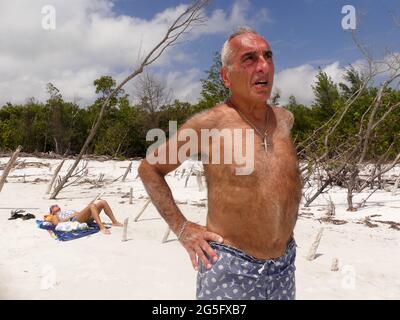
x: 261, y: 234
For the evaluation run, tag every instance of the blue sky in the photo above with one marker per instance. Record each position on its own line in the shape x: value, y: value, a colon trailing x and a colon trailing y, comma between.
x: 99, y: 37
x: 300, y: 31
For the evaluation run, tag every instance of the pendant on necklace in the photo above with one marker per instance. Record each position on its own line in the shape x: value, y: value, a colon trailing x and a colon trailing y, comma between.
x: 265, y: 144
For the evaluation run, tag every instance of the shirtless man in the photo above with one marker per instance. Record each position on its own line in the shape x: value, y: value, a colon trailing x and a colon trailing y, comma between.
x: 89, y: 213
x: 246, y: 250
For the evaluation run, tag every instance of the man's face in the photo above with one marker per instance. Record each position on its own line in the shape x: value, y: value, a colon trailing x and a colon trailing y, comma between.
x: 250, y: 74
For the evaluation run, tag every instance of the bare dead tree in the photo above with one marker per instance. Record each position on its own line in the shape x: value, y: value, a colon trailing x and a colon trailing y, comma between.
x: 370, y: 120
x: 55, y: 174
x: 191, y: 17
x: 344, y: 163
x: 77, y: 174
x: 128, y: 170
x: 152, y: 93
x: 9, y: 166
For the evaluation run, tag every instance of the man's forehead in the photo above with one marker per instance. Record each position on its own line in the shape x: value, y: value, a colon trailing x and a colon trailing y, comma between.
x: 249, y: 42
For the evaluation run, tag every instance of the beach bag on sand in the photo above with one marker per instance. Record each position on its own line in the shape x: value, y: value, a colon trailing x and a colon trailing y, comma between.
x: 71, y: 226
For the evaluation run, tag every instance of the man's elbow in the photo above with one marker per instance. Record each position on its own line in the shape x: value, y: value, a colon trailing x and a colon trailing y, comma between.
x: 142, y: 169
x: 145, y: 169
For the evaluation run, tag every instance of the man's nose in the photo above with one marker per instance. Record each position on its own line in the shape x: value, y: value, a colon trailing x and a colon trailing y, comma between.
x: 262, y: 64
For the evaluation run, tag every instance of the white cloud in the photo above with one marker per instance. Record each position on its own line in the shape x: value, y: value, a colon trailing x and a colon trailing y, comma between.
x: 298, y: 81
x: 90, y: 40
x: 182, y: 85
x: 185, y: 86
x: 236, y: 18
x: 221, y: 21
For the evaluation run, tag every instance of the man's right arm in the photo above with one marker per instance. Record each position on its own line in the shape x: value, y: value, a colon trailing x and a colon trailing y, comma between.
x: 193, y: 237
x: 153, y: 179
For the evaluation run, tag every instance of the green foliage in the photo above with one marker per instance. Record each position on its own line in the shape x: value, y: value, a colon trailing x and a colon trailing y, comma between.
x: 326, y: 94
x: 213, y: 89
x: 354, y: 82
x: 305, y: 121
x: 328, y: 107
x: 105, y: 85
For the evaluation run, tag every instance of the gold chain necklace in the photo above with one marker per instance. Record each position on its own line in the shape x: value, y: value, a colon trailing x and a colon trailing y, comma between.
x: 262, y: 135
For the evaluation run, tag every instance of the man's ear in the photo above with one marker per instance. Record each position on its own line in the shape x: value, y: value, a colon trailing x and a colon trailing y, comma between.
x: 225, y: 77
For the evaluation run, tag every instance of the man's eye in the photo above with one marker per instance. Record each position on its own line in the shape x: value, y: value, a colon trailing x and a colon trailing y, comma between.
x: 268, y: 55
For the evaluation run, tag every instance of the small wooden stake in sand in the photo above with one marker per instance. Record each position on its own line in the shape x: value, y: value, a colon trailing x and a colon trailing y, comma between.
x: 130, y: 195
x: 335, y: 264
x: 314, y: 246
x: 199, y: 181
x: 188, y: 176
x: 166, y: 234
x: 54, y: 176
x: 10, y: 164
x: 396, y: 186
x: 127, y: 171
x: 125, y: 230
x: 141, y: 211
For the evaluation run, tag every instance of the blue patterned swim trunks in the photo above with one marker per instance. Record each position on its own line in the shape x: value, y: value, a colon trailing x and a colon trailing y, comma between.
x: 239, y: 276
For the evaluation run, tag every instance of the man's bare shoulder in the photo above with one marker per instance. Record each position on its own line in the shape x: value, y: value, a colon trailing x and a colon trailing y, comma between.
x: 284, y: 115
x: 210, y: 118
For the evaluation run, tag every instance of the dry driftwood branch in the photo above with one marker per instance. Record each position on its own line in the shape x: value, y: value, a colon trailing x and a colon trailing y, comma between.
x: 127, y: 171
x: 395, y: 162
x: 192, y: 16
x: 116, y: 179
x: 55, y: 176
x: 378, y: 167
x: 142, y: 210
x: 364, y: 201
x: 166, y: 234
x: 99, y: 180
x: 9, y: 166
x: 348, y: 171
x: 344, y: 166
x: 79, y: 174
x: 20, y: 164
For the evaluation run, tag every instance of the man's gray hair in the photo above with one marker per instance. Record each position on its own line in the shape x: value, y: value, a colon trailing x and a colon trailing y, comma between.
x: 226, y: 51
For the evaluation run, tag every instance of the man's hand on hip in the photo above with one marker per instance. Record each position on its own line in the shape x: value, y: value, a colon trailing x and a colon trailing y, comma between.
x: 194, y: 238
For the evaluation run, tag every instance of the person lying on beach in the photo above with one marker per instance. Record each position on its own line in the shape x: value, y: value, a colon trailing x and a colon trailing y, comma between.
x: 88, y: 214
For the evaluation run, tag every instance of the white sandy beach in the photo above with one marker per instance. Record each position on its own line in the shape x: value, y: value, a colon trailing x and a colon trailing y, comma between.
x: 35, y: 266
